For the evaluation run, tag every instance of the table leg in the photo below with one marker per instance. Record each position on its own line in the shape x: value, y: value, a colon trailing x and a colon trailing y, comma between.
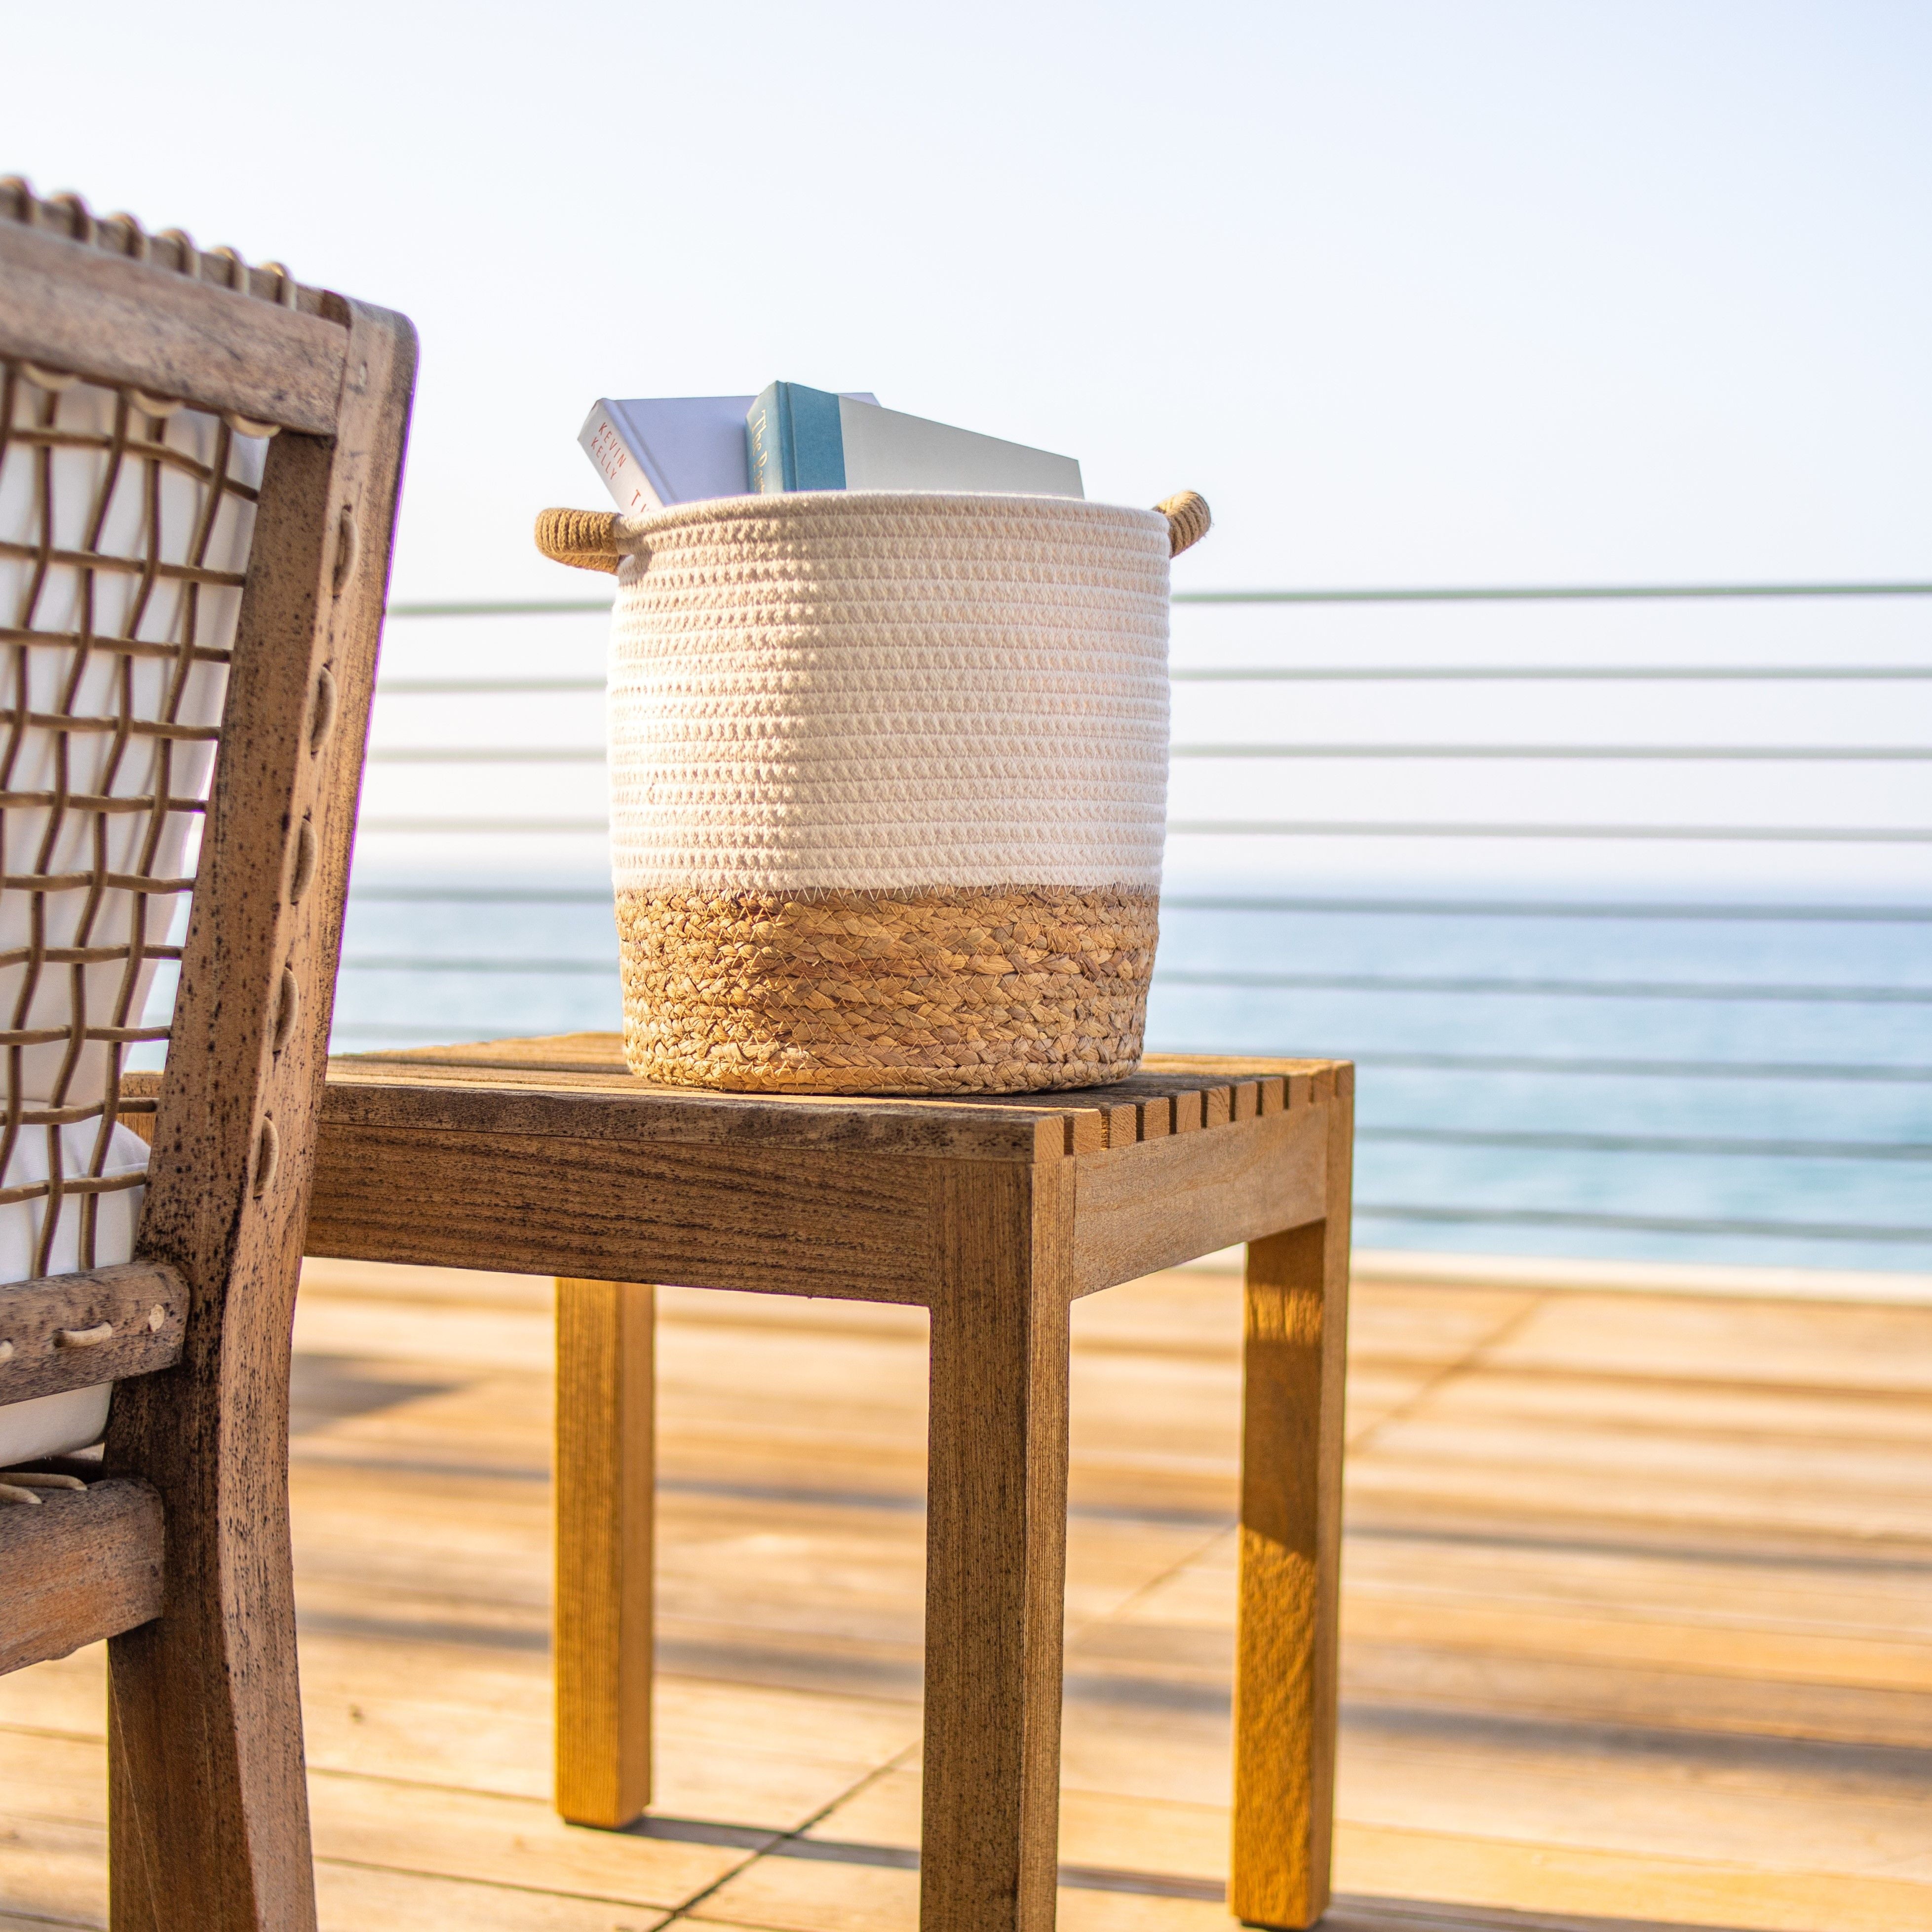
x: 601, y: 1642
x: 996, y: 1553
x: 1284, y: 1670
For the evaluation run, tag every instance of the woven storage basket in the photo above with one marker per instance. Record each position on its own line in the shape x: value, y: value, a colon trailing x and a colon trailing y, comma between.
x: 888, y: 786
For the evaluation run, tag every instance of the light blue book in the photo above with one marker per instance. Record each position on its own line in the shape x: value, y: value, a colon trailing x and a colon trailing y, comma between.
x: 797, y: 438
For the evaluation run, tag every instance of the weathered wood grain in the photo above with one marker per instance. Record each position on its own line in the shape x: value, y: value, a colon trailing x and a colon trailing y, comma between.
x: 792, y: 1221
x: 115, y: 320
x: 1206, y: 1067
x: 364, y: 1091
x: 1151, y: 1206
x: 576, y: 1084
x: 50, y: 1328
x: 68, y: 216
x: 570, y: 1053
x: 84, y: 1565
x: 1286, y: 1642
x: 208, y: 1816
x: 604, y: 1472
x: 996, y: 1551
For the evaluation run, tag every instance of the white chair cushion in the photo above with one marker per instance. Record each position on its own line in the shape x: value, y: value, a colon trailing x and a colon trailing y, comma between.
x: 52, y: 1425
x: 121, y: 506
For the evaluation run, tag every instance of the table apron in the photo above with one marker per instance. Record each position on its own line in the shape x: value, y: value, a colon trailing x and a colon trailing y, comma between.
x: 1158, y: 1203
x: 790, y: 1221
x: 795, y: 1221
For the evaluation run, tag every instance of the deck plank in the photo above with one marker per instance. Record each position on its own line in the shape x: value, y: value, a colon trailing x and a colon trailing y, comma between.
x: 1637, y: 1621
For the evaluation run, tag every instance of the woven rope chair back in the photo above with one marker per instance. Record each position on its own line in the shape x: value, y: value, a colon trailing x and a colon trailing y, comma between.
x: 127, y: 517
x: 125, y: 527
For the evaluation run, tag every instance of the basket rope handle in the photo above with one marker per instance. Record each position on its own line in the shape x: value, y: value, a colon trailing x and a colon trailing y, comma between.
x: 1188, y: 521
x: 593, y: 539
x: 585, y: 539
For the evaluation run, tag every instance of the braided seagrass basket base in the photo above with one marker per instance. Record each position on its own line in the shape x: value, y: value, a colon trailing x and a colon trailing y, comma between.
x: 993, y: 990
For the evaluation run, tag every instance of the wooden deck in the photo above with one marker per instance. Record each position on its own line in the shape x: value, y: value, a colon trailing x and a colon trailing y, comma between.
x: 1637, y: 1627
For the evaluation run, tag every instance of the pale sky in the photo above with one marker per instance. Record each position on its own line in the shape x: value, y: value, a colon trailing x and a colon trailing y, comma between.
x: 1414, y: 293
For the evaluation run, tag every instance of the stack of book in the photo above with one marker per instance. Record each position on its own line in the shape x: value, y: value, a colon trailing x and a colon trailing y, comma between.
x: 652, y: 452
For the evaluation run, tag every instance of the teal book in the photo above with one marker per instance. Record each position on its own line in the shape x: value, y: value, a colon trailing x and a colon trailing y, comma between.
x: 793, y: 440
x: 796, y: 438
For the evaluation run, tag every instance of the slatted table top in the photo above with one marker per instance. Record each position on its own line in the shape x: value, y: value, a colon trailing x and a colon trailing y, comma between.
x: 577, y: 1084
x: 547, y: 1156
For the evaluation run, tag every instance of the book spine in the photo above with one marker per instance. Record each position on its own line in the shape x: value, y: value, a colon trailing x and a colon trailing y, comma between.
x: 793, y: 440
x: 767, y: 445
x: 617, y: 463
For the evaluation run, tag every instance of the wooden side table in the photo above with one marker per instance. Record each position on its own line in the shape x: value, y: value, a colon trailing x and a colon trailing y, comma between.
x: 544, y: 1156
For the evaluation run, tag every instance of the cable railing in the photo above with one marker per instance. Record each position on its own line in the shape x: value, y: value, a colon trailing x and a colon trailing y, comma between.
x: 490, y: 932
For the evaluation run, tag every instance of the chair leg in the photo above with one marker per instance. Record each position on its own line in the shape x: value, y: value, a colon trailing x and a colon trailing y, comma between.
x: 602, y: 1650
x: 208, y: 1793
x: 1285, y: 1672
x: 996, y: 1554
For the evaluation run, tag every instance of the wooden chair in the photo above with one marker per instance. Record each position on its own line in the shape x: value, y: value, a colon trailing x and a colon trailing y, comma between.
x: 147, y: 384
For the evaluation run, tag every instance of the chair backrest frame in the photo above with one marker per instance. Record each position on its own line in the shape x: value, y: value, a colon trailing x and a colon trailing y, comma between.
x: 204, y: 1695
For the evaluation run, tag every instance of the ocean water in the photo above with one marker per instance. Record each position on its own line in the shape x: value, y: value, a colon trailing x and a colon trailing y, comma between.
x: 1541, y: 1073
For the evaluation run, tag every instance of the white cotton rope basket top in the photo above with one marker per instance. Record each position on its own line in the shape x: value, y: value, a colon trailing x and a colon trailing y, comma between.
x: 881, y: 691
x: 889, y: 777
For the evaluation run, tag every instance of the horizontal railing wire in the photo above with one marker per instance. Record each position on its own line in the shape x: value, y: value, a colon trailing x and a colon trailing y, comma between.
x: 487, y: 754
x: 1562, y: 593
x: 1565, y: 673
x: 472, y: 687
x: 595, y: 755
x: 1650, y: 1224
x: 1725, y: 1146
x: 1813, y: 912
x: 1727, y: 991
x: 1615, y: 1066
x: 376, y: 893
x: 1567, y: 754
x: 500, y: 607
x: 1375, y: 828
x: 485, y: 827
x: 1485, y: 908
x: 381, y: 962
x: 1517, y: 593
x: 479, y: 687
x: 468, y: 826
